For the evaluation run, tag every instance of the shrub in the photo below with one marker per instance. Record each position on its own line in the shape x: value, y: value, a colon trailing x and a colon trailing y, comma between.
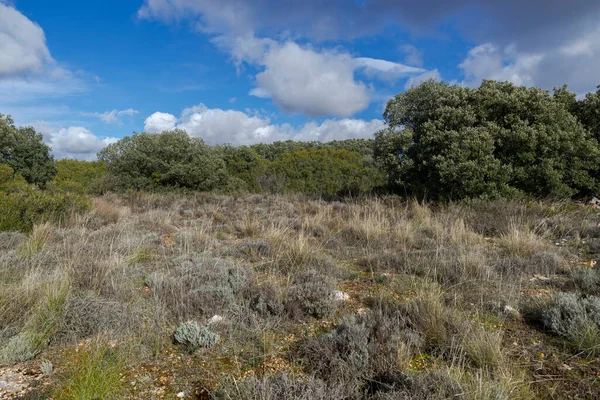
x: 313, y: 294
x: 19, y: 348
x: 281, y: 386
x: 78, y: 176
x: 24, y: 150
x: 169, y: 159
x: 23, y: 209
x: 587, y: 280
x: 193, y: 336
x: 576, y: 318
x: 451, y: 142
x: 265, y: 301
x: 198, y: 287
x: 324, y: 172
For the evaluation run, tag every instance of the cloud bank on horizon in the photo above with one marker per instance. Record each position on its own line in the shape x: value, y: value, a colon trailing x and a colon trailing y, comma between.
x: 266, y: 70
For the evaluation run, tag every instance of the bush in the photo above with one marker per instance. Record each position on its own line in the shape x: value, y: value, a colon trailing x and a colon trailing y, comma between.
x: 451, y: 142
x: 83, y: 177
x: 22, y: 209
x: 198, y: 287
x: 19, y: 348
x: 587, y: 280
x: 324, y: 172
x: 312, y: 294
x: 165, y: 160
x: 576, y: 318
x: 24, y: 150
x: 193, y: 336
x: 277, y: 387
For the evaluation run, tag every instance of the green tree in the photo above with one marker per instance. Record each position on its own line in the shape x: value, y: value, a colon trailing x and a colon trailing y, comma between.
x: 244, y: 165
x: 78, y: 176
x: 448, y: 141
x: 325, y: 172
x: 169, y: 159
x: 24, y: 150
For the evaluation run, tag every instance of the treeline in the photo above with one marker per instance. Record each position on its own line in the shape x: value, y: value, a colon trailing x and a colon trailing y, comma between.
x: 442, y: 142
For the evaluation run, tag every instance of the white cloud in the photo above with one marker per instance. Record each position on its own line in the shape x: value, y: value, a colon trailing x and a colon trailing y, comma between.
x: 310, y: 82
x: 73, y: 142
x: 160, y: 122
x: 385, y: 70
x: 217, y: 126
x: 574, y: 63
x: 487, y: 61
x: 413, y: 55
x: 314, y: 82
x: 23, y: 47
x: 112, y: 117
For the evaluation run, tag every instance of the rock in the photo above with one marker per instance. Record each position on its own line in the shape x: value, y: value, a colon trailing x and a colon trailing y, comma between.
x: 595, y: 202
x: 215, y: 319
x: 510, y: 312
x: 181, y: 395
x: 341, y: 296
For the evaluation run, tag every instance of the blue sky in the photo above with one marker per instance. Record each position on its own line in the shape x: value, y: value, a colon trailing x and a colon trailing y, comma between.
x: 86, y: 73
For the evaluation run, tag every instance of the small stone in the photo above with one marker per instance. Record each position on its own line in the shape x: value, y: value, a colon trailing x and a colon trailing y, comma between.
x: 181, y: 395
x: 341, y: 296
x: 215, y: 319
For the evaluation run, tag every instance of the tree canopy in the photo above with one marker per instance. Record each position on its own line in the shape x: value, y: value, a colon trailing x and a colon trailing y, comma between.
x: 449, y: 141
x: 24, y: 150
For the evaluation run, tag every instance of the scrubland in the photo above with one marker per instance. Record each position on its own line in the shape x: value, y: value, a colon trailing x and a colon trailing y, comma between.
x: 286, y: 297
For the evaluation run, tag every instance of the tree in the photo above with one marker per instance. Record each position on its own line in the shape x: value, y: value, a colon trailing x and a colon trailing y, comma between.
x: 168, y: 159
x: 78, y: 176
x: 448, y: 141
x: 24, y: 150
x: 324, y: 172
x: 245, y: 165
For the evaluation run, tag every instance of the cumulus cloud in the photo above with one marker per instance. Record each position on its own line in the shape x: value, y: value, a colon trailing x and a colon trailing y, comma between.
x: 160, y: 122
x: 310, y: 82
x: 23, y: 47
x: 74, y: 142
x: 217, y: 126
x: 573, y: 63
x: 112, y: 117
x: 542, y: 42
x: 314, y: 82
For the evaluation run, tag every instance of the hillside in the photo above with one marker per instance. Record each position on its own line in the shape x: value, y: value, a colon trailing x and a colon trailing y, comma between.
x: 287, y: 297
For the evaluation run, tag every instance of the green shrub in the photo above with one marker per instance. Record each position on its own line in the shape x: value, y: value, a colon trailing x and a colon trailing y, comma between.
x: 24, y: 150
x: 324, y: 172
x: 22, y: 209
x: 165, y: 160
x: 78, y: 176
x: 451, y: 142
x: 193, y: 336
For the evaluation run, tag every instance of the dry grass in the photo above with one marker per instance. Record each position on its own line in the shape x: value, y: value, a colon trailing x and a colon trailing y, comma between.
x: 426, y: 287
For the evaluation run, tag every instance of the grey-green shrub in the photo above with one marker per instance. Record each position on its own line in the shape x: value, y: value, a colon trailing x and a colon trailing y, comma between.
x: 193, y: 336
x: 587, y: 280
x: 19, y: 348
x: 313, y: 294
x: 576, y: 318
x: 278, y: 387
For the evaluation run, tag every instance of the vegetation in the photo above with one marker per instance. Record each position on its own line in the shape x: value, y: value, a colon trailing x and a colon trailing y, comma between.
x: 290, y: 270
x: 24, y: 151
x: 451, y: 142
